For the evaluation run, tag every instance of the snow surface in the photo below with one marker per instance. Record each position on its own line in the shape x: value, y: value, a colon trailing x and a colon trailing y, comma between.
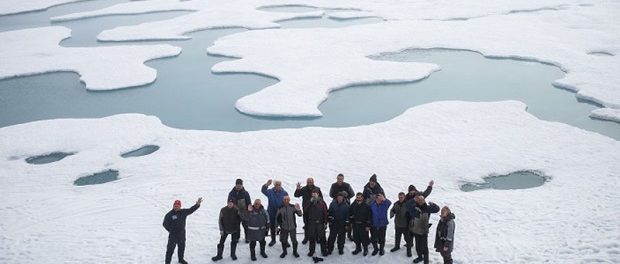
x: 8, y: 7
x: 311, y: 62
x: 208, y: 15
x: 610, y: 114
x: 36, y: 51
x: 574, y: 218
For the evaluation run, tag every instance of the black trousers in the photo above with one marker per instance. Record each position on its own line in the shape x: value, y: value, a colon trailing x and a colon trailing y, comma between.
x: 447, y: 257
x: 421, y: 246
x: 173, y: 241
x: 339, y: 233
x: 400, y: 232
x: 245, y: 229
x: 360, y: 235
x: 234, y: 238
x: 285, y: 234
x: 378, y: 236
x: 272, y: 230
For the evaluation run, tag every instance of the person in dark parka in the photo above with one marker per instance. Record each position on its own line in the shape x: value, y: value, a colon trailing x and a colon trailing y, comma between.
x: 242, y: 200
x: 360, y: 216
x: 287, y: 225
x: 306, y: 194
x: 258, y: 222
x: 444, y: 237
x: 338, y: 218
x: 229, y: 222
x: 401, y: 224
x: 174, y: 223
x: 419, y: 213
x: 315, y: 229
x: 379, y: 209
x: 413, y: 191
x: 275, y: 197
x: 371, y: 189
x: 341, y: 186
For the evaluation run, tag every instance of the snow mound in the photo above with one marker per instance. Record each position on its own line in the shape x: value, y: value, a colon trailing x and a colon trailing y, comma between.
x: 451, y: 142
x: 36, y: 51
x: 610, y: 114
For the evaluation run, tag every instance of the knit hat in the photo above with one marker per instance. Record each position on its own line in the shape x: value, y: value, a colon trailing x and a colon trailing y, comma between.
x: 177, y: 202
x: 231, y: 200
x: 239, y: 182
x: 373, y: 178
x: 411, y: 188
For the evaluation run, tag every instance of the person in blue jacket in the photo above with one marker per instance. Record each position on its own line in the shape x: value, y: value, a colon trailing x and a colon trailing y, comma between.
x: 379, y: 208
x: 275, y: 196
x: 338, y: 219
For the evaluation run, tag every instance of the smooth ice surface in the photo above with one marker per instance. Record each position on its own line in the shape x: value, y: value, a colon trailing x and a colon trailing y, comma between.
x: 36, y: 50
x: 451, y: 142
x: 142, y: 151
x: 334, y: 58
x: 515, y: 180
x: 48, y: 158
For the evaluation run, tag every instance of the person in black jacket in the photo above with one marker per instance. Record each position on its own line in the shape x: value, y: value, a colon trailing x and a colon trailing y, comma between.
x: 401, y: 224
x: 371, y: 189
x: 306, y: 194
x: 229, y: 222
x: 341, y: 186
x: 360, y: 216
x: 419, y: 212
x: 413, y: 191
x: 174, y: 223
x: 338, y: 218
x: 315, y: 229
x: 242, y: 200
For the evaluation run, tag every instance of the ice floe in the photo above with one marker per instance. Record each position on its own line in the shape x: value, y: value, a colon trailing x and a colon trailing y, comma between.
x: 610, y: 114
x: 8, y: 7
x: 36, y: 51
x: 44, y: 214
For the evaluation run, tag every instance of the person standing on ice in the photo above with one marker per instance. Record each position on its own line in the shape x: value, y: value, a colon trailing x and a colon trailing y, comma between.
x: 287, y: 225
x: 258, y: 222
x: 338, y: 218
x: 419, y: 213
x: 341, y: 186
x: 174, y: 223
x: 360, y: 216
x: 317, y: 221
x: 275, y: 198
x: 401, y: 225
x: 306, y: 194
x: 371, y: 189
x: 444, y: 237
x: 379, y: 209
x: 229, y: 222
x: 413, y: 192
x: 242, y: 200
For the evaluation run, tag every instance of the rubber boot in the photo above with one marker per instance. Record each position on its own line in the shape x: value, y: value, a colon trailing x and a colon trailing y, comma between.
x: 409, y: 251
x: 358, y: 249
x: 295, y: 254
x: 233, y: 250
x: 375, y: 249
x: 262, y: 249
x: 283, y: 255
x: 253, y: 252
x: 220, y: 249
x: 381, y: 249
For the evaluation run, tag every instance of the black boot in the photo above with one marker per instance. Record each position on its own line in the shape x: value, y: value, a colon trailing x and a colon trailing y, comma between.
x: 283, y: 251
x: 233, y: 250
x: 357, y: 250
x: 295, y: 254
x: 220, y: 249
x: 418, y: 259
x: 409, y: 251
x: 311, y: 248
x: 381, y: 249
x: 262, y: 249
x: 375, y: 249
x: 394, y: 249
x: 253, y: 251
x: 366, y: 250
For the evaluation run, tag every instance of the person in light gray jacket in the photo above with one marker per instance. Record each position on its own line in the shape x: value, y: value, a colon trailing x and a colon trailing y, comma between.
x: 287, y: 225
x: 444, y: 237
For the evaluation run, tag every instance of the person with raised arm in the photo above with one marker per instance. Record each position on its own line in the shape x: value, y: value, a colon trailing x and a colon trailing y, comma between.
x: 174, y: 223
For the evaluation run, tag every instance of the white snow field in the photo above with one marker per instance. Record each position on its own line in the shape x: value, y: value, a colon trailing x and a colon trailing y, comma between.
x: 573, y: 218
x: 8, y: 7
x: 36, y: 51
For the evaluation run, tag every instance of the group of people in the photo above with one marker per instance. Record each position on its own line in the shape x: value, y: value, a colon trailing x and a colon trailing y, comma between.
x: 364, y: 221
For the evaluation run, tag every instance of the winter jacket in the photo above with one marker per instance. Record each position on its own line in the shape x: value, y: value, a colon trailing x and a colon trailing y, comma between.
x: 316, y: 213
x: 379, y: 213
x: 174, y: 221
x: 242, y: 199
x: 371, y: 193
x: 276, y: 199
x: 419, y: 215
x: 257, y: 221
x: 360, y: 214
x: 399, y: 211
x: 345, y: 187
x: 286, y: 217
x: 444, y: 237
x: 338, y: 215
x: 306, y: 193
x: 229, y: 220
x: 426, y: 193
